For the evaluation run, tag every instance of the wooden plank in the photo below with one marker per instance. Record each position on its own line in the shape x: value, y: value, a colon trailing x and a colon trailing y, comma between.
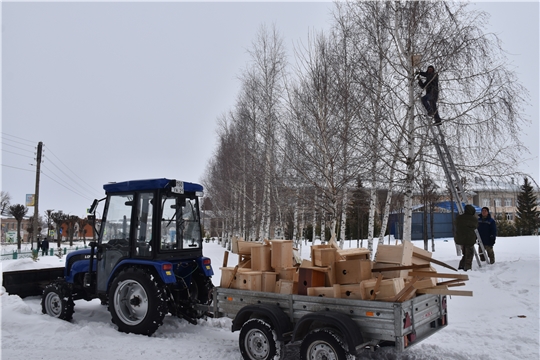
x: 225, y: 258
x: 456, y: 284
x: 232, y: 277
x: 420, y: 256
x: 404, y: 267
x: 407, y: 290
x: 449, y: 282
x: 439, y: 275
x: 376, y: 288
x: 445, y: 292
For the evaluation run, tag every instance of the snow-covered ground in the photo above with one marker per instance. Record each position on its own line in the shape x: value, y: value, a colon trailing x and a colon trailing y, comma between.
x: 500, y: 321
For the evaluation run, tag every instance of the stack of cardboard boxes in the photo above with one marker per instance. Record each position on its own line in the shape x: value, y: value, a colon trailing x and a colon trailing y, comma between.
x: 398, y: 273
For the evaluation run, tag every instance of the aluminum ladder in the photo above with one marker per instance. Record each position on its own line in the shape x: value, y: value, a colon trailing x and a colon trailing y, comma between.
x: 454, y: 182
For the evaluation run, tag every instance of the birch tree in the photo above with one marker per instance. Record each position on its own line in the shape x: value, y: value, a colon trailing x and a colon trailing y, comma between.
x: 479, y: 99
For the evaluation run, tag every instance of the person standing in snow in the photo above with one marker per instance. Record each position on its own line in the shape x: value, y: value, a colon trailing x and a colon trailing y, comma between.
x: 488, y: 233
x: 432, y: 91
x: 44, y: 247
x: 465, y: 236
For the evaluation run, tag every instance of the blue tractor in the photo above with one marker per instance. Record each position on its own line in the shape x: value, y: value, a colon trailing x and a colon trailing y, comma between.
x: 147, y: 261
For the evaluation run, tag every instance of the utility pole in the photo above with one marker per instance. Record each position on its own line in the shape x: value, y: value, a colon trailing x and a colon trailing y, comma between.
x: 36, y: 194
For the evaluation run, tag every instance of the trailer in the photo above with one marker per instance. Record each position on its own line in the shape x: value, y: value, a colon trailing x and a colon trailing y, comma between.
x: 326, y: 328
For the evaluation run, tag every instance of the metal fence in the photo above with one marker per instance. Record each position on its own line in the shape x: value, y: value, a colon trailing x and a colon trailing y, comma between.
x: 29, y: 253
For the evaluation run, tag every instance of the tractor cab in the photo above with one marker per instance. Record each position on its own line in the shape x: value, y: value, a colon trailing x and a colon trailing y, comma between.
x: 153, y: 220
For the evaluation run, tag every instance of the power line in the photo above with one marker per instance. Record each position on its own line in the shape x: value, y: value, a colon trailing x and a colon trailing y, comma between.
x: 66, y: 184
x: 69, y: 168
x: 74, y: 182
x: 17, y: 142
x: 69, y: 177
x: 11, y: 152
x: 73, y: 191
x: 13, y: 167
x: 16, y: 137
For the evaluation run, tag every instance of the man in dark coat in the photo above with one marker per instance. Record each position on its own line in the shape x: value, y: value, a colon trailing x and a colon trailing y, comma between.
x: 466, y: 223
x: 488, y: 233
x: 44, y: 247
x: 432, y: 91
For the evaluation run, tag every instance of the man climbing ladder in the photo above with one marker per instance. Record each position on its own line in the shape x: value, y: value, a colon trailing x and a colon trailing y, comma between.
x: 432, y: 91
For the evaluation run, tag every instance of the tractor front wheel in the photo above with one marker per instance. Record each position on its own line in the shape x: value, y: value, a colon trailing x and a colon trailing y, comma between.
x: 136, y: 302
x: 57, y: 301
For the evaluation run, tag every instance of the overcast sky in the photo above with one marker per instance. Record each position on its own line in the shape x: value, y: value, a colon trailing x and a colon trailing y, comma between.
x: 122, y: 91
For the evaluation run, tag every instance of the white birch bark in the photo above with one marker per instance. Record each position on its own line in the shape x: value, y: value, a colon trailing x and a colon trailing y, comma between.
x: 343, y: 218
x: 244, y: 196
x: 295, y: 218
x: 314, y: 222
x: 408, y: 196
x: 371, y: 219
x: 254, y: 221
x: 267, y: 208
x: 323, y: 226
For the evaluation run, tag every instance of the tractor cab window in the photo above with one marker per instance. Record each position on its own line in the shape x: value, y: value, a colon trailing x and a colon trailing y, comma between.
x: 143, y: 235
x: 179, y: 224
x: 191, y: 227
x: 116, y: 228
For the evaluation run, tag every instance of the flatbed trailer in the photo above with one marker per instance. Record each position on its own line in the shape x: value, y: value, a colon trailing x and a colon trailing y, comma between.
x: 331, y: 327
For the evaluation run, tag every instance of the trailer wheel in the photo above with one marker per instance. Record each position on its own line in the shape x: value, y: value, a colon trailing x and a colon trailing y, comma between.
x: 323, y: 344
x: 57, y: 301
x: 136, y: 302
x: 258, y: 341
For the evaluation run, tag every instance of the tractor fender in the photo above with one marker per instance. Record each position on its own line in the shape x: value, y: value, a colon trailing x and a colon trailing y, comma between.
x: 330, y: 319
x: 166, y: 276
x: 205, y: 264
x: 272, y: 313
x: 77, y: 267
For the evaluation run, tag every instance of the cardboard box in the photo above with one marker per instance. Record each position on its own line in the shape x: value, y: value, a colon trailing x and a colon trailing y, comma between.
x: 323, y: 255
x: 321, y: 291
x: 268, y: 280
x: 282, y: 254
x: 352, y: 271
x: 286, y: 287
x: 389, y: 274
x: 309, y: 277
x: 395, y: 254
x: 248, y: 280
x: 348, y: 291
x: 388, y: 288
x: 261, y: 258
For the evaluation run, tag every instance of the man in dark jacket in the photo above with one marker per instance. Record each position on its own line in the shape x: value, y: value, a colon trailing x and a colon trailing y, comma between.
x: 432, y: 92
x: 488, y: 233
x: 466, y: 223
x: 44, y: 247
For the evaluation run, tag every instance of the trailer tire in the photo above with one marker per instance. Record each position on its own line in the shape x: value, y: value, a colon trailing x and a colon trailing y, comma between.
x: 257, y: 341
x: 136, y: 302
x: 323, y: 344
x: 57, y: 301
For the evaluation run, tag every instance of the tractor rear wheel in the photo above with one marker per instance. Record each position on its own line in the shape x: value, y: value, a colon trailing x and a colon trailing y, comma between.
x: 136, y: 302
x: 57, y: 301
